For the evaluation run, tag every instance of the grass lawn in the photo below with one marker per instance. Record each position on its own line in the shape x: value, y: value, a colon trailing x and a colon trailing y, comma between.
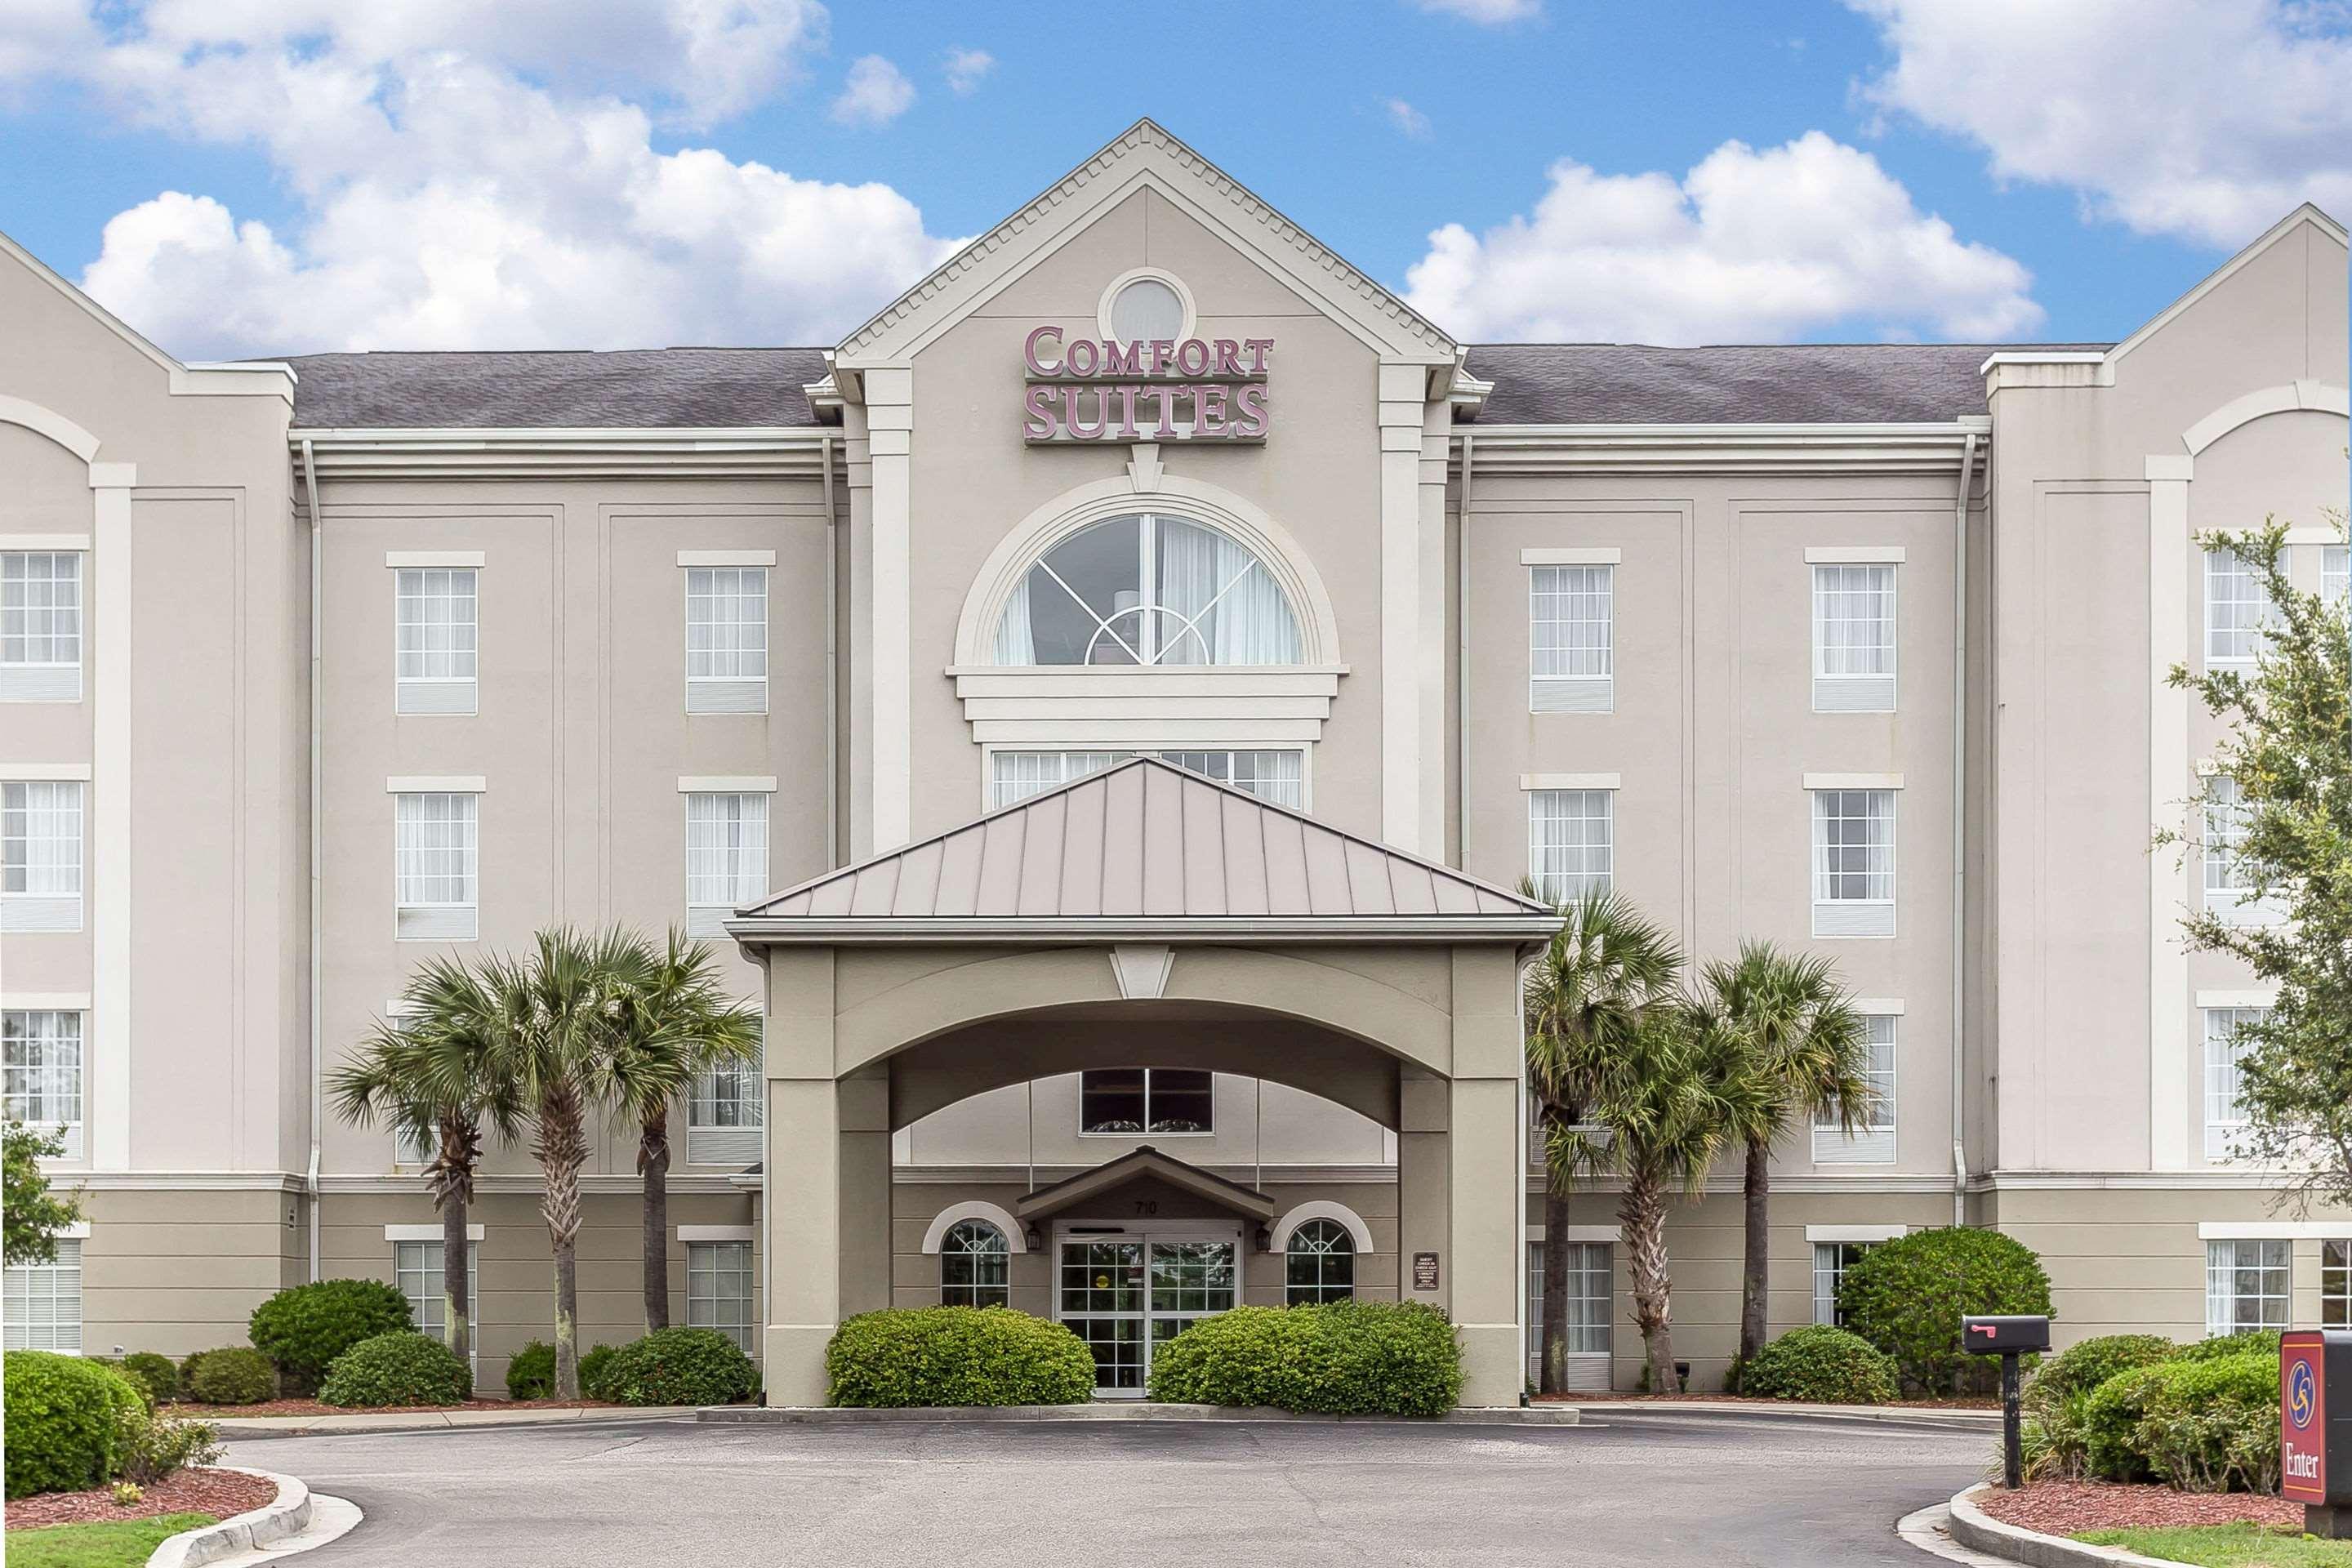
x: 116, y: 1543
x: 2227, y: 1546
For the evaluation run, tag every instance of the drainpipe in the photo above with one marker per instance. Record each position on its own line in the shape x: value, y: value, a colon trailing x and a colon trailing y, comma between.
x: 318, y: 1089
x: 1462, y: 663
x: 832, y: 666
x: 1960, y: 828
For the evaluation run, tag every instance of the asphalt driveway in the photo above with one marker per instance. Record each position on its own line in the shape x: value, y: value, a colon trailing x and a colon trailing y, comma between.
x: 1635, y: 1487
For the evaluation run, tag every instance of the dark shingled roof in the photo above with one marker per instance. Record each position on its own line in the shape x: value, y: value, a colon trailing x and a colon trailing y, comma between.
x: 1535, y: 383
x: 1737, y: 383
x: 616, y: 389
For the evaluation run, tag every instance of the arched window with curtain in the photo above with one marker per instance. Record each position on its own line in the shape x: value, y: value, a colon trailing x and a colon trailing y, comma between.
x: 1147, y: 589
x: 976, y: 1266
x: 1319, y: 1265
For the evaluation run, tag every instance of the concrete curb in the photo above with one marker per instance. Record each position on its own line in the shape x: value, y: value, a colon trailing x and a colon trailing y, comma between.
x: 265, y: 1427
x: 286, y: 1514
x: 1118, y: 1410
x: 1979, y: 1532
x: 1948, y: 1420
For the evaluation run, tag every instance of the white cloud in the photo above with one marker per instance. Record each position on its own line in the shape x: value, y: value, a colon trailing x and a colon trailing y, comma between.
x: 1751, y: 245
x: 965, y: 68
x: 1407, y: 119
x: 2208, y: 120
x: 446, y: 194
x: 878, y: 92
x: 1487, y: 13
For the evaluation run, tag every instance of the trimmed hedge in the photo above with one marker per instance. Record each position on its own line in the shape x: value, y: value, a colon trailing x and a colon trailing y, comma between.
x: 956, y: 1355
x: 679, y: 1366
x: 532, y: 1374
x: 594, y: 1367
x: 1907, y: 1297
x: 64, y: 1421
x: 1827, y: 1365
x: 2222, y: 1347
x: 400, y: 1368
x: 160, y: 1373
x: 2084, y: 1365
x: 304, y: 1329
x: 235, y: 1375
x: 2211, y: 1424
x: 1343, y: 1358
x: 2111, y: 1417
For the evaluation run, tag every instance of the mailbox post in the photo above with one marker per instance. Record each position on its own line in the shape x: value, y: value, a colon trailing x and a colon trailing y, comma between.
x: 2315, y: 1427
x: 2008, y: 1338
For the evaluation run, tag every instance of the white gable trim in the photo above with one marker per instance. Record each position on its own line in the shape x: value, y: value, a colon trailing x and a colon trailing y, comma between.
x: 955, y: 1214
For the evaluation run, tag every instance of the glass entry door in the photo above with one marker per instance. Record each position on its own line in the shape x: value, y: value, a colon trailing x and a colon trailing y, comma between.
x: 1124, y: 1294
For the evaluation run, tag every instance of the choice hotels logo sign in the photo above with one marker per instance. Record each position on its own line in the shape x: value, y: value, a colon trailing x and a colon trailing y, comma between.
x: 2303, y: 1416
x: 1187, y: 389
x: 2302, y: 1396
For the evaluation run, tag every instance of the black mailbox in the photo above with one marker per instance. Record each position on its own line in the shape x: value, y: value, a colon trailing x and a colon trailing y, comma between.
x: 2004, y: 1335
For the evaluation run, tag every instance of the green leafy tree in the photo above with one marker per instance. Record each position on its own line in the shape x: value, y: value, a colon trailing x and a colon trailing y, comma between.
x: 2289, y: 749
x: 676, y: 1023
x: 1809, y: 1052
x: 1601, y: 976
x: 35, y: 1216
x: 428, y: 1078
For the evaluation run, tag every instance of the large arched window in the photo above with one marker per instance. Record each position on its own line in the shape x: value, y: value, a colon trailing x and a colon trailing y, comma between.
x: 1147, y: 589
x: 976, y: 1266
x: 1320, y: 1264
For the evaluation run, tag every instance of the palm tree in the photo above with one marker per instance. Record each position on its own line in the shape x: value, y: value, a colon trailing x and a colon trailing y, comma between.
x: 1810, y: 1053
x: 424, y: 1077
x: 677, y: 1023
x: 1605, y: 971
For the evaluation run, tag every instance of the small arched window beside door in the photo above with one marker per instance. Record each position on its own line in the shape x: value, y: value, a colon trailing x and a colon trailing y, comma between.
x: 976, y: 1266
x: 1319, y: 1265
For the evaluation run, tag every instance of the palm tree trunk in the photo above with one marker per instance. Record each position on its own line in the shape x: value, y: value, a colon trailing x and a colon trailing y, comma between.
x: 652, y: 1159
x: 1555, y: 1291
x: 1753, y: 1278
x: 456, y: 1303
x: 562, y: 1149
x: 1642, y: 1211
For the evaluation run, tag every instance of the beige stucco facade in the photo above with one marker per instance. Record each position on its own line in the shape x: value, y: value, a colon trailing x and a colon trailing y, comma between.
x: 2048, y: 1064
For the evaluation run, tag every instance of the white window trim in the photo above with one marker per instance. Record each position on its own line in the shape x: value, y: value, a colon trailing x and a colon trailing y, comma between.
x: 437, y: 783
x: 727, y: 558
x: 955, y: 1214
x: 50, y: 543
x: 2206, y: 999
x: 1530, y: 782
x: 1340, y: 1215
x: 1853, y: 556
x: 1853, y: 781
x: 2275, y: 1229
x: 1306, y: 751
x: 397, y: 1233
x: 717, y: 1233
x: 44, y: 1000
x: 1878, y: 1006
x: 1609, y: 1233
x: 397, y: 559
x: 45, y: 773
x: 727, y: 783
x: 1606, y: 555
x: 1864, y: 1235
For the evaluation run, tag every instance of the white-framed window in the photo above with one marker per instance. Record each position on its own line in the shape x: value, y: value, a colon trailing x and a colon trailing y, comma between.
x: 1149, y: 1100
x: 2248, y: 1285
x: 41, y: 1072
x: 2336, y: 1284
x: 437, y: 639
x: 40, y: 626
x: 40, y: 855
x: 719, y: 1289
x: 1277, y: 776
x: 1873, y: 1138
x: 1854, y: 638
x: 437, y: 865
x: 727, y: 639
x: 1853, y: 862
x: 40, y: 1303
x: 2229, y: 880
x: 2334, y: 571
x: 1572, y: 841
x: 976, y: 1266
x: 1319, y: 1265
x: 1571, y: 638
x: 726, y: 857
x: 2225, y: 1114
x: 417, y: 1270
x: 1591, y: 1308
x: 2238, y: 615
x: 1147, y: 589
x: 725, y: 1110
x: 1831, y: 1260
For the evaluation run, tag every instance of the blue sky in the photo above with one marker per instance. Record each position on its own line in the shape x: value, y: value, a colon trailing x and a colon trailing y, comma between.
x: 283, y: 176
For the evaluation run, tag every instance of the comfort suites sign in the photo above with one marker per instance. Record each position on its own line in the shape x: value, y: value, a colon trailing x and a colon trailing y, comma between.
x: 1185, y: 389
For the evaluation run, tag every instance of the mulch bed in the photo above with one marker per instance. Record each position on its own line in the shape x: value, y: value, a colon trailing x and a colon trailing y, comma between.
x: 220, y: 1493
x: 2068, y: 1508
x: 313, y: 1408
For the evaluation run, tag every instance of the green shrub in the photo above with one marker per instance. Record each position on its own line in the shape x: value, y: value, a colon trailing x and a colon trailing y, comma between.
x: 404, y: 1367
x: 2111, y: 1416
x: 160, y: 1373
x: 1907, y: 1297
x: 188, y: 1365
x: 2212, y: 1425
x: 1344, y: 1358
x: 2084, y: 1365
x: 150, y: 1447
x: 956, y: 1355
x: 235, y: 1375
x: 532, y: 1374
x: 1827, y: 1365
x: 304, y: 1329
x: 593, y: 1366
x: 2221, y: 1347
x: 64, y: 1421
x: 679, y: 1366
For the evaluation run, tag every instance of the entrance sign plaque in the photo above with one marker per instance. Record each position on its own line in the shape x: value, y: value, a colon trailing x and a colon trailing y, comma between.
x: 1425, y: 1271
x: 2316, y: 1426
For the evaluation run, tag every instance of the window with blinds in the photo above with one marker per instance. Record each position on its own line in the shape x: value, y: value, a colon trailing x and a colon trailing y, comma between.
x: 727, y: 639
x: 40, y: 856
x: 1871, y: 1142
x: 436, y: 866
x: 437, y: 639
x: 1853, y: 640
x: 1572, y: 639
x: 726, y: 859
x: 40, y: 626
x: 1853, y: 862
x: 40, y: 1303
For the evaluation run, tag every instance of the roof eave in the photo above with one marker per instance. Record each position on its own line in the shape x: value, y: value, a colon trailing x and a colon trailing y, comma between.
x: 770, y: 930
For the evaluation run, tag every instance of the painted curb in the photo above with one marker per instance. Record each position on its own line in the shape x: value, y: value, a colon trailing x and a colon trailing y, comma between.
x: 259, y: 1428
x: 1123, y: 1410
x: 286, y: 1514
x: 1979, y: 1532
